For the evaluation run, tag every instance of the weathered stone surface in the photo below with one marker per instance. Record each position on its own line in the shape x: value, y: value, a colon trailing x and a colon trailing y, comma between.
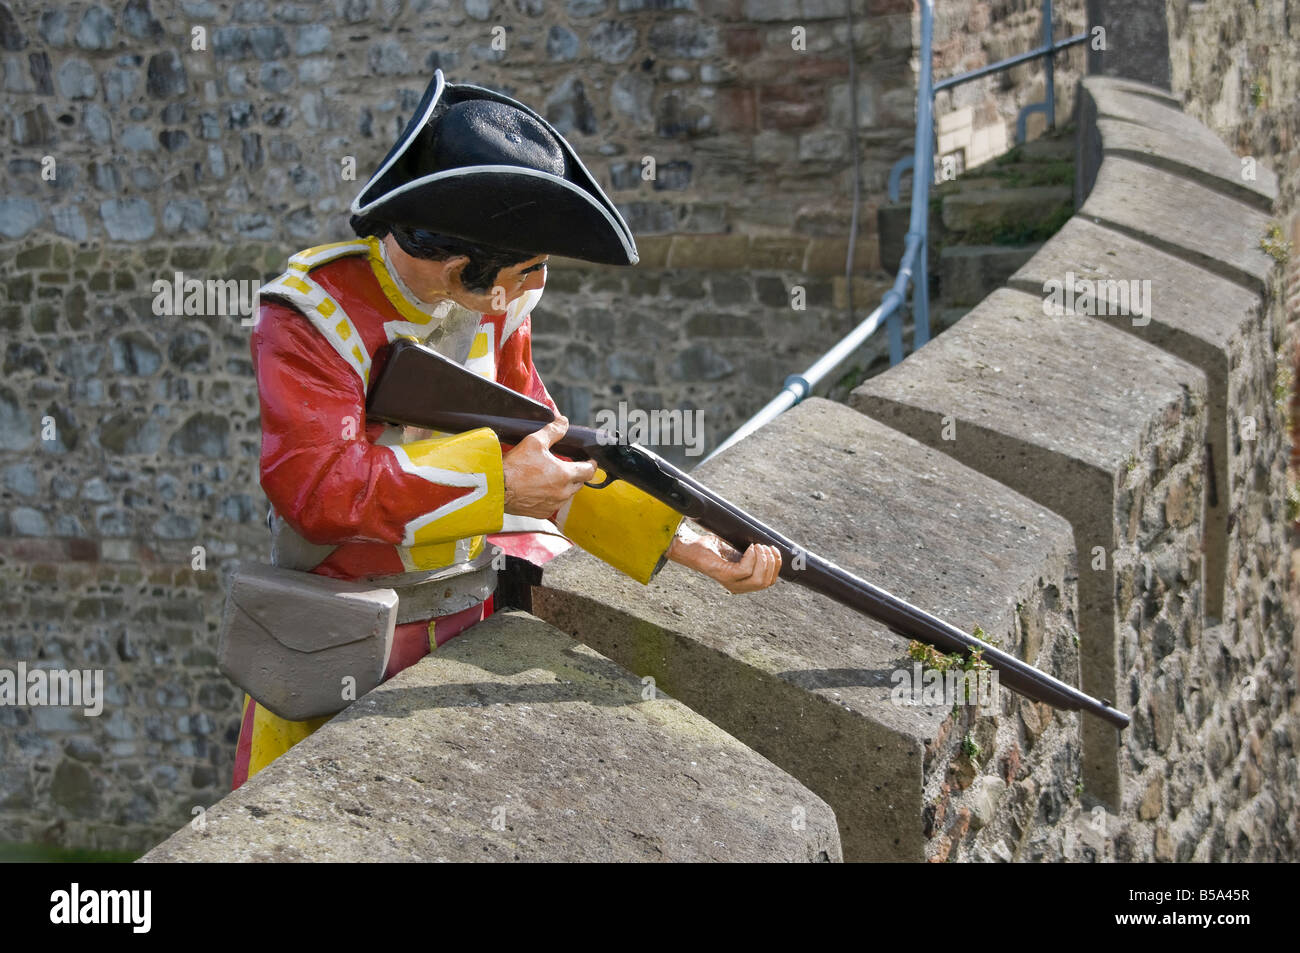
x: 1137, y: 47
x: 1184, y: 218
x: 1134, y: 121
x: 1065, y: 410
x: 1209, y: 163
x: 512, y: 742
x: 969, y: 272
x: 808, y: 682
x: 1025, y: 206
x: 1208, y: 321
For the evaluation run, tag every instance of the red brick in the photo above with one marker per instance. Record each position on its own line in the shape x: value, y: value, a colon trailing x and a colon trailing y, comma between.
x: 33, y: 550
x: 83, y: 550
x: 962, y: 826
x: 805, y: 67
x: 941, y: 805
x: 737, y: 109
x: 940, y: 736
x: 722, y: 9
x: 790, y: 107
x: 742, y: 41
x: 1011, y: 764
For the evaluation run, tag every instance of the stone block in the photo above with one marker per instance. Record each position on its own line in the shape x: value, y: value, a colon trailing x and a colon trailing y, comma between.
x: 801, y: 679
x: 969, y: 272
x: 1134, y: 124
x: 827, y: 256
x: 1183, y: 218
x: 1069, y: 412
x: 991, y: 208
x: 1138, y: 45
x: 1200, y: 317
x: 708, y: 251
x: 512, y: 742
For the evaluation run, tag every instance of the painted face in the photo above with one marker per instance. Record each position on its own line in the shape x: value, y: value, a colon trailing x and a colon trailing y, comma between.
x: 511, y: 283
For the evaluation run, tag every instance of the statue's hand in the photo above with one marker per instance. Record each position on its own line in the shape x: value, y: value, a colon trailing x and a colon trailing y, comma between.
x: 537, y: 482
x: 757, y: 568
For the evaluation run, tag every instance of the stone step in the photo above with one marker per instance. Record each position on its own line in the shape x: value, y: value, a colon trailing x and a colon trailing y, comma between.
x: 1007, y: 211
x: 1012, y: 175
x: 969, y: 273
x: 1053, y: 148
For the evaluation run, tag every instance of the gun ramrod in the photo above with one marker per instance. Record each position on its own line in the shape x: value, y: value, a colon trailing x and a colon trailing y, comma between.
x: 419, y: 387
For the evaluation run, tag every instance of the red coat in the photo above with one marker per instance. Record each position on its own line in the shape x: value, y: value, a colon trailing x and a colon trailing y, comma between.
x: 393, y: 504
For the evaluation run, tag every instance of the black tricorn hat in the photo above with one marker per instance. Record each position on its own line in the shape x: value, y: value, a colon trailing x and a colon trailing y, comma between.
x: 476, y: 165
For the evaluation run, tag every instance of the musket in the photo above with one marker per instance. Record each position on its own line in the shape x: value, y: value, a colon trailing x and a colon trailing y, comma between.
x: 416, y: 386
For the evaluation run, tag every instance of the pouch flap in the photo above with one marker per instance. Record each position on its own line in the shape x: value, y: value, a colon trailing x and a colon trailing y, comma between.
x: 309, y: 613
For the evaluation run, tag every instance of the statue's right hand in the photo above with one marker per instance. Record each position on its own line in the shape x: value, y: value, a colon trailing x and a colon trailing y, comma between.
x: 537, y: 482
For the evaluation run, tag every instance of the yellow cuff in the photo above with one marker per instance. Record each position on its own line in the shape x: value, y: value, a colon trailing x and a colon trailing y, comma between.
x: 469, y: 460
x: 623, y: 526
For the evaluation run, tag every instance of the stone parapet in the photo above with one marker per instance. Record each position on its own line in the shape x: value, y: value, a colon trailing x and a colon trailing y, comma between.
x: 812, y: 685
x: 1091, y: 423
x: 512, y: 742
x: 1123, y: 380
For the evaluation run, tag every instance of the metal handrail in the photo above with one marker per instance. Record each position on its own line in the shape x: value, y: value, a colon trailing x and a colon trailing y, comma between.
x: 913, y: 267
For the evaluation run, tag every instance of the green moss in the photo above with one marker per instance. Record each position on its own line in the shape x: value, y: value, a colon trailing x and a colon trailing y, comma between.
x: 1282, y: 386
x: 970, y: 748
x: 932, y: 658
x: 1019, y: 233
x: 1275, y: 244
x: 1045, y: 172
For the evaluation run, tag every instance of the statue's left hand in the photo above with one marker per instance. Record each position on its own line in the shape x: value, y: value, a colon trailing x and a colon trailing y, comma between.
x: 757, y: 568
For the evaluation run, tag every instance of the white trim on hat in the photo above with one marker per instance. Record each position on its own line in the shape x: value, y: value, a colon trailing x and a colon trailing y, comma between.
x: 514, y: 170
x: 441, y: 84
x: 615, y: 220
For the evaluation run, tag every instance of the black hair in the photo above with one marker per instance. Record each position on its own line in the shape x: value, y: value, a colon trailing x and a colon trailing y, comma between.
x: 484, y: 261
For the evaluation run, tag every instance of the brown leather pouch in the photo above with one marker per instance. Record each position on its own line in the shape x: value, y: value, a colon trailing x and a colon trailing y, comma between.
x: 303, y: 645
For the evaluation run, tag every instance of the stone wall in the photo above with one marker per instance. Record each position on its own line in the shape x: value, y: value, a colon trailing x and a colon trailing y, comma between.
x: 213, y: 139
x: 129, y: 439
x: 115, y: 533
x: 1229, y: 66
x: 976, y: 121
x: 741, y: 105
x: 1184, y: 605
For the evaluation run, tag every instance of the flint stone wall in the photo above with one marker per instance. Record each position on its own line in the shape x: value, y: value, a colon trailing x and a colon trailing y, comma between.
x: 131, y: 157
